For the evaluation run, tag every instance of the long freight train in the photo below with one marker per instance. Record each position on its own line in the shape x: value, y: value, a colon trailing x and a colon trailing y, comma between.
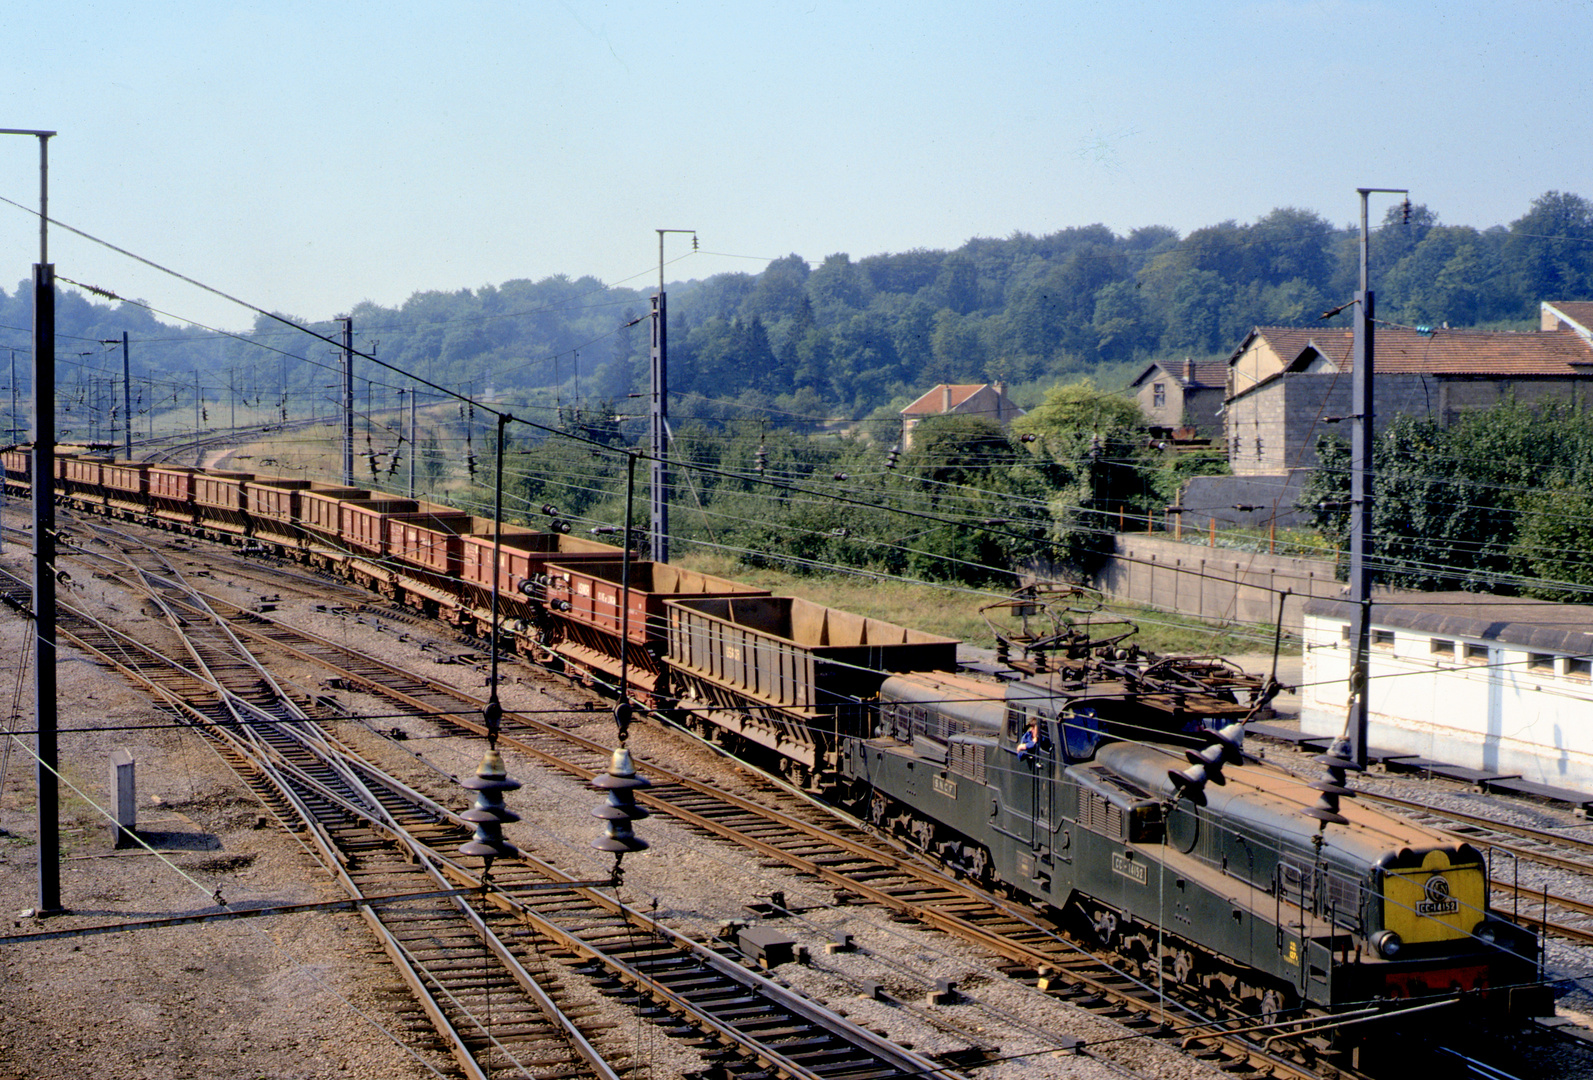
x: 1084, y: 776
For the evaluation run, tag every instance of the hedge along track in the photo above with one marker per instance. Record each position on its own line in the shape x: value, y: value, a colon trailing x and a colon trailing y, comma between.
x: 469, y: 968
x: 820, y: 844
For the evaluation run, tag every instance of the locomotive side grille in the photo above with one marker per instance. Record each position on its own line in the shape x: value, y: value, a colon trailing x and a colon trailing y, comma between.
x: 1099, y: 815
x: 1344, y: 900
x: 968, y: 759
x: 944, y: 727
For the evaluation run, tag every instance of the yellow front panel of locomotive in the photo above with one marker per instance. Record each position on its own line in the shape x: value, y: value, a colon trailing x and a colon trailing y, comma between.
x: 1438, y: 902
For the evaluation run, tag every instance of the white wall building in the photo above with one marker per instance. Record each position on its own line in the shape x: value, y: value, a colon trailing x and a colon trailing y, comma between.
x: 1497, y: 684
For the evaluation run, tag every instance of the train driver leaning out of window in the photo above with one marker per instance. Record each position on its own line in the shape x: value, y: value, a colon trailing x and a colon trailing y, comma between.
x: 1034, y: 740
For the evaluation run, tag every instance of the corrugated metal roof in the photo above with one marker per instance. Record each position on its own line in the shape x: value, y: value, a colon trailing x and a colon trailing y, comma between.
x: 1511, y: 620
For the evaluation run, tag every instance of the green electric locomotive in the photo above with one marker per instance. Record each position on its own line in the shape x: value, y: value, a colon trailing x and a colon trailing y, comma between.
x: 1079, y: 797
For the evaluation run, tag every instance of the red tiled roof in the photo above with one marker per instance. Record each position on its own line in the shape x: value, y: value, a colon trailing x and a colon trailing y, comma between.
x: 934, y: 402
x: 1401, y: 351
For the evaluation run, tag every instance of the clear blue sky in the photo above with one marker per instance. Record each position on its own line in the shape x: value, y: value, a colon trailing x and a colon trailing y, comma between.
x: 307, y: 156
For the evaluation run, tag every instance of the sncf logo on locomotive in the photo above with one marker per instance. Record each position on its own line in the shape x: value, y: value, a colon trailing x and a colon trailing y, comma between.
x: 1437, y: 900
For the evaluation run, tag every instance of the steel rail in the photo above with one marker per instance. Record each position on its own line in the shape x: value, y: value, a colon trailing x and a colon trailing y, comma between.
x: 287, y: 775
x: 1066, y: 966
x: 286, y: 780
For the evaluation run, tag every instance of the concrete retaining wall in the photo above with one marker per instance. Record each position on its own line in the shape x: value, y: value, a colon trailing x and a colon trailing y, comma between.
x: 1214, y: 584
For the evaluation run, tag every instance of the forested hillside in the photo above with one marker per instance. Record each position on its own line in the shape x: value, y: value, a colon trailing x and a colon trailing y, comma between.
x: 846, y: 336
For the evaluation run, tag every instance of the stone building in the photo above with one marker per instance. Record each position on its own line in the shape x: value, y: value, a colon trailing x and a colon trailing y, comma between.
x: 1289, y: 385
x: 1189, y: 395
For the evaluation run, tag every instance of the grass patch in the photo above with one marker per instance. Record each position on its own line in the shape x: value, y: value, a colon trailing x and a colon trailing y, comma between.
x: 953, y: 611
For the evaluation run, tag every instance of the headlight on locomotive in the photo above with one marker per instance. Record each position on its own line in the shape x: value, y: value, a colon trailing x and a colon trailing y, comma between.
x: 1387, y: 943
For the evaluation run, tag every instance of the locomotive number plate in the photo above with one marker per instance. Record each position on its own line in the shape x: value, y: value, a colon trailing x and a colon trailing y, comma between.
x: 946, y: 787
x: 1122, y: 864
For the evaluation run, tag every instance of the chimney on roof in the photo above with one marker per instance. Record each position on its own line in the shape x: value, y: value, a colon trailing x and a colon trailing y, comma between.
x: 945, y: 397
x: 1000, y: 388
x: 1189, y: 370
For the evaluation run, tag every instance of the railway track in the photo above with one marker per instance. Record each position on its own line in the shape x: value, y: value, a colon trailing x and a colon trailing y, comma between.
x: 813, y: 840
x: 851, y: 860
x: 470, y: 969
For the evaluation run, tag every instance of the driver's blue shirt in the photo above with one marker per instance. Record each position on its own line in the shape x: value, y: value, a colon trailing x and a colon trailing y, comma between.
x: 1028, y: 744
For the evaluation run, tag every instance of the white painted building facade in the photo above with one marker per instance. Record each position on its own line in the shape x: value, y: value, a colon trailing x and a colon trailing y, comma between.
x: 1497, y: 684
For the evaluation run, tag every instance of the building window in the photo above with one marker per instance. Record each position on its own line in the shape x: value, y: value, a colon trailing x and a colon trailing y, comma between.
x: 1442, y: 647
x: 1158, y: 394
x: 1383, y: 639
x: 1476, y: 654
x: 1579, y: 667
x: 1543, y: 662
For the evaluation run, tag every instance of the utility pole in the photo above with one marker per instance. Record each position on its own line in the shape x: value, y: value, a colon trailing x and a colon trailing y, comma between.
x: 348, y: 399
x: 660, y: 408
x: 413, y: 446
x: 1361, y: 491
x: 127, y: 402
x: 197, y: 393
x: 46, y: 745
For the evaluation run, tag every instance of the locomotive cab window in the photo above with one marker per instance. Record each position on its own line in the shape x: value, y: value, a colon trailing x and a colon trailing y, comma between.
x: 1016, y: 723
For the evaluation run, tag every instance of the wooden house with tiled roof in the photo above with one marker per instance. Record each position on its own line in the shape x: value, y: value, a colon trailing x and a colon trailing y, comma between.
x: 1288, y: 385
x: 964, y: 399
